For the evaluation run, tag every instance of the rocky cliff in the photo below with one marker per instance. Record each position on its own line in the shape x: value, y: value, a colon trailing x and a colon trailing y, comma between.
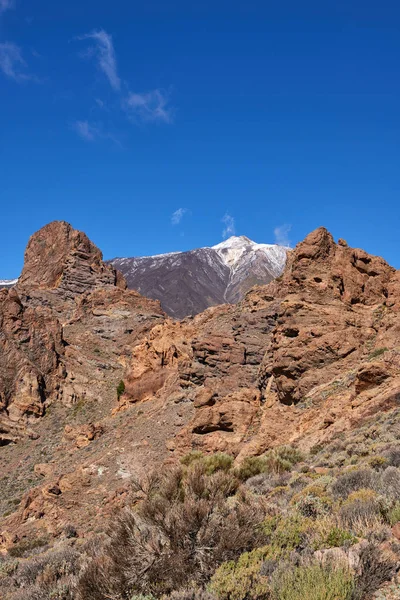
x: 305, y: 359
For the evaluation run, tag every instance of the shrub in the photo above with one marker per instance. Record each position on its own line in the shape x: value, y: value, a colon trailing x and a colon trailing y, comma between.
x: 337, y: 537
x: 218, y: 462
x: 264, y: 483
x: 49, y: 567
x: 241, y: 580
x: 394, y: 514
x: 52, y: 575
x: 378, y: 462
x: 316, y: 581
x: 191, y: 457
x: 286, y: 534
x: 360, y: 509
x: 393, y: 456
x: 354, y: 480
x: 250, y: 467
x: 289, y: 453
x: 377, y: 352
x: 190, y: 594
x: 120, y: 389
x: 312, y: 506
x: 374, y: 570
x: 188, y: 523
x: 24, y: 547
x: 275, y: 461
x: 390, y: 482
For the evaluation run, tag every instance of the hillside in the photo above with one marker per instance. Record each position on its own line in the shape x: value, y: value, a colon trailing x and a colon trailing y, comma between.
x: 297, y: 384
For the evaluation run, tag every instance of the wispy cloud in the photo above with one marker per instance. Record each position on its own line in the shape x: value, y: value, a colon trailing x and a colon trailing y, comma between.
x: 90, y: 132
x: 229, y: 223
x: 149, y: 107
x: 178, y: 215
x: 6, y: 5
x: 86, y: 130
x: 281, y: 234
x: 13, y: 64
x: 105, y: 55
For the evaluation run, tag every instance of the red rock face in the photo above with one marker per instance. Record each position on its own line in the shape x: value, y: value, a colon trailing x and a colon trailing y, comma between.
x: 302, y: 359
x: 48, y: 326
x: 59, y: 257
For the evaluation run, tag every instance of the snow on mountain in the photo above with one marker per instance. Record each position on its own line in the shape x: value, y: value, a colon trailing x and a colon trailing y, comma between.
x: 234, y: 249
x: 187, y: 283
x: 7, y: 282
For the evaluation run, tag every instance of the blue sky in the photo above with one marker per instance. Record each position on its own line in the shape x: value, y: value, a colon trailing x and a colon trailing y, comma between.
x: 157, y: 126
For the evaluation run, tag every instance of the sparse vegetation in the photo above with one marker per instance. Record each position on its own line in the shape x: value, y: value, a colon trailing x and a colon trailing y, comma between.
x: 120, y: 389
x: 261, y: 530
x: 314, y: 580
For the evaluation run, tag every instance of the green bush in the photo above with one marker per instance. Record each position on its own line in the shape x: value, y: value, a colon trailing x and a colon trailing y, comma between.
x: 241, y: 579
x: 394, y: 514
x: 251, y: 466
x: 275, y: 461
x: 120, y: 389
x: 337, y: 537
x: 191, y: 457
x: 286, y: 534
x: 377, y: 352
x: 218, y: 462
x: 312, y: 582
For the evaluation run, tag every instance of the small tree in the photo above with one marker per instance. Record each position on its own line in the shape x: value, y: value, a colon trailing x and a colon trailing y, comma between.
x: 120, y: 389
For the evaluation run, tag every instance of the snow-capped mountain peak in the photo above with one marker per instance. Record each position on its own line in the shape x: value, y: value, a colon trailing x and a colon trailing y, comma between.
x: 188, y: 282
x: 233, y: 250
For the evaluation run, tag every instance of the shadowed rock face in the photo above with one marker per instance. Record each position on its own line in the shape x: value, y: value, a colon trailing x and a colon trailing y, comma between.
x: 303, y: 359
x: 186, y: 283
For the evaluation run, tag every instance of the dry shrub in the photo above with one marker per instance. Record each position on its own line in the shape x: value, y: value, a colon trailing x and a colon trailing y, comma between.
x: 375, y: 569
x: 50, y: 576
x: 190, y: 594
x: 360, y: 510
x: 393, y: 456
x: 187, y: 524
x: 354, y: 480
x: 390, y: 482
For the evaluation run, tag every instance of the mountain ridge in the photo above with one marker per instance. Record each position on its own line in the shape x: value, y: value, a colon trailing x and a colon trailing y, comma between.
x: 188, y: 282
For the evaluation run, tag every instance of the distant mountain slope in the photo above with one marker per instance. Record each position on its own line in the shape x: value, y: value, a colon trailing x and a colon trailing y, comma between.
x: 187, y: 283
x: 7, y: 283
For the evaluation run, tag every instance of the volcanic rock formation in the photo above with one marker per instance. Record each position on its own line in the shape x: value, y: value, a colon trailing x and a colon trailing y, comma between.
x: 304, y: 359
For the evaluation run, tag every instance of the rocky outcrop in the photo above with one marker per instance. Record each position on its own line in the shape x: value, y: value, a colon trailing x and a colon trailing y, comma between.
x: 292, y: 361
x: 61, y: 258
x: 303, y: 359
x: 63, y: 327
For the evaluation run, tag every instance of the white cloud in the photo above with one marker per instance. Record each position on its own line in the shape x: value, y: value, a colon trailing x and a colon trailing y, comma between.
x: 177, y: 216
x: 281, y: 234
x: 229, y: 228
x: 86, y: 130
x: 91, y: 132
x: 150, y: 106
x: 12, y: 63
x: 105, y: 55
x: 6, y: 5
